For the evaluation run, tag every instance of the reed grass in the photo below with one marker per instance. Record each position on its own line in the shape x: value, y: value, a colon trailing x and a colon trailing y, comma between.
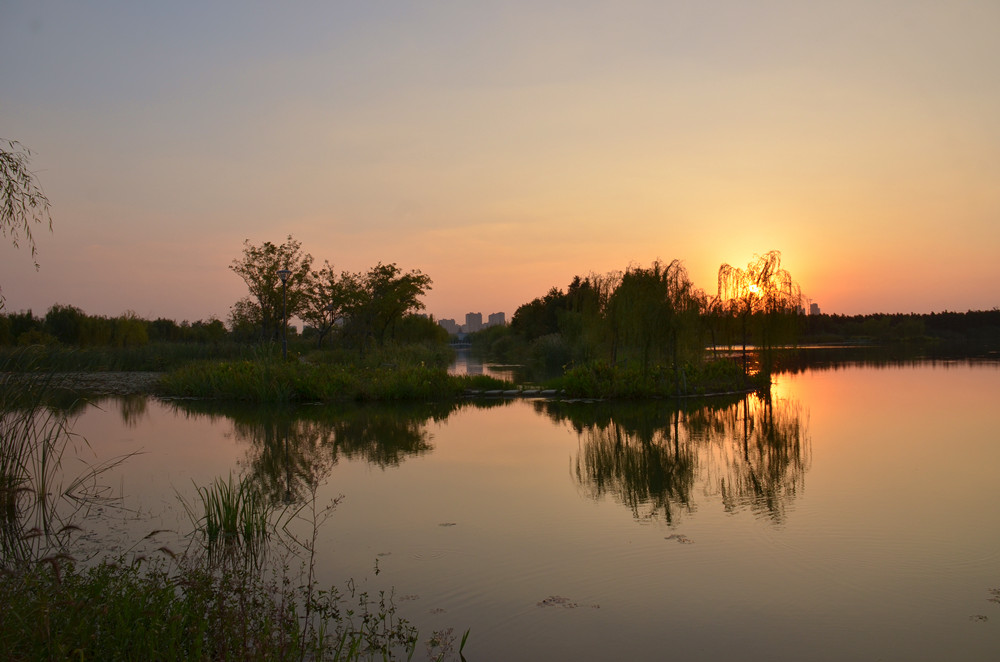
x: 602, y: 380
x: 159, y: 610
x: 235, y: 519
x: 38, y: 499
x: 154, y: 357
x: 275, y: 381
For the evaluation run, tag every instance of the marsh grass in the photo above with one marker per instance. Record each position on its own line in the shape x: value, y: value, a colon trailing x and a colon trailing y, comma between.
x: 276, y: 381
x: 38, y: 498
x: 603, y: 380
x: 235, y: 519
x: 154, y: 357
x: 161, y: 609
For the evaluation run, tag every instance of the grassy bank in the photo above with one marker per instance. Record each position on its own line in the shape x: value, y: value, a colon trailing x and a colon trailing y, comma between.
x: 288, y: 381
x: 601, y: 380
x: 154, y: 357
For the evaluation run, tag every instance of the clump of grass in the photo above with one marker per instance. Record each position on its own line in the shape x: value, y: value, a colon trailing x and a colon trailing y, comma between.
x: 235, y: 518
x: 483, y: 382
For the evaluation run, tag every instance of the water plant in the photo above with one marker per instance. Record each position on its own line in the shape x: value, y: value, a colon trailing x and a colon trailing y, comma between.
x: 38, y: 499
x: 235, y: 519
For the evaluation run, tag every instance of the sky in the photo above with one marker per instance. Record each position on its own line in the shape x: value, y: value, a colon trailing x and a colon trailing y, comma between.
x: 504, y: 147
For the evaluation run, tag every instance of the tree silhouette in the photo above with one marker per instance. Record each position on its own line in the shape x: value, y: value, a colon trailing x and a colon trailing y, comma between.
x: 764, y: 299
x: 258, y: 267
x: 22, y: 202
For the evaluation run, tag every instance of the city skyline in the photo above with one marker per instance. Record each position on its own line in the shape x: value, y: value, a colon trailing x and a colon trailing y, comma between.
x: 504, y: 148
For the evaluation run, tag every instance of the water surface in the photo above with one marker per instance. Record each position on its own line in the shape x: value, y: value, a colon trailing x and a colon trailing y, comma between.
x: 853, y: 516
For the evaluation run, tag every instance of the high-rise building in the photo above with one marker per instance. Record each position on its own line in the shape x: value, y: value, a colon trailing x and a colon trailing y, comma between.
x: 814, y: 309
x: 451, y: 326
x: 497, y: 319
x: 473, y: 322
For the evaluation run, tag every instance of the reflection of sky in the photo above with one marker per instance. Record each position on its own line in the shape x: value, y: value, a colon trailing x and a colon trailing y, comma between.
x: 467, y: 364
x: 504, y: 147
x: 887, y: 545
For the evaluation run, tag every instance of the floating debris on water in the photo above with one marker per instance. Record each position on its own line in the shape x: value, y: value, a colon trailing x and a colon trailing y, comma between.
x: 558, y: 601
x: 408, y: 596
x: 439, y: 610
x: 684, y: 540
x: 447, y: 524
x: 979, y: 618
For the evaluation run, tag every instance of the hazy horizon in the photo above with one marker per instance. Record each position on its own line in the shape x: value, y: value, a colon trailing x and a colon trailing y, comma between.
x: 504, y: 148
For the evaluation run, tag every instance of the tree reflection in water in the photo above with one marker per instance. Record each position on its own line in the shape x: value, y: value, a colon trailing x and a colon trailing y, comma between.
x: 292, y: 449
x: 751, y: 452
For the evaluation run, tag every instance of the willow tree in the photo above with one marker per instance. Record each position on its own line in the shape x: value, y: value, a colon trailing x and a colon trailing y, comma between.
x: 22, y: 202
x: 653, y: 312
x: 764, y: 300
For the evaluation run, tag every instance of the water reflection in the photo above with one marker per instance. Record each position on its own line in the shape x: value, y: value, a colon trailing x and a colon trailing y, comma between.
x: 751, y: 452
x: 292, y: 449
x: 841, y: 357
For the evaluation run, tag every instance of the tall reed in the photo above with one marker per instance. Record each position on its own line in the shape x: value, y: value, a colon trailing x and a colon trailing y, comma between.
x: 38, y: 499
x: 234, y: 520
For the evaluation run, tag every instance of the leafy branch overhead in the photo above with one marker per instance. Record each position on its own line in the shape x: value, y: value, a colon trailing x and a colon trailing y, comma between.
x: 22, y: 202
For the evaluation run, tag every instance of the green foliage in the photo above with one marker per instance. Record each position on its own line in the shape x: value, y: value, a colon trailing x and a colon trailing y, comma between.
x: 277, y: 381
x: 603, y: 380
x: 154, y: 357
x: 235, y: 519
x: 385, y: 297
x: 151, y: 611
x: 266, y: 304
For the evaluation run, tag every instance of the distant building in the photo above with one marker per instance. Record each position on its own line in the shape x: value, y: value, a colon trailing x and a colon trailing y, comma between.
x: 473, y: 322
x: 814, y: 309
x: 451, y: 326
x: 497, y: 319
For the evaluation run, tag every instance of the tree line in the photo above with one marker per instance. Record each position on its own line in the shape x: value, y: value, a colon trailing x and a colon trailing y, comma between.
x: 362, y: 309
x: 654, y: 316
x: 70, y: 326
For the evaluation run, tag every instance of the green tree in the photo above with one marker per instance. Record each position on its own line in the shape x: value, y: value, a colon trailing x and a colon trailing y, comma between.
x: 258, y: 267
x: 129, y: 330
x: 385, y: 296
x: 22, y: 202
x: 65, y: 323
x: 653, y: 314
x: 328, y: 297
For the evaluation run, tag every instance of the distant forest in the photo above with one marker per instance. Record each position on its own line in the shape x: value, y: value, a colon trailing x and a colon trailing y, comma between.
x: 974, y: 326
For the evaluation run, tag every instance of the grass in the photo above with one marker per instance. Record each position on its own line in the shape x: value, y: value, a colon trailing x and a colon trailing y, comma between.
x: 154, y: 357
x: 271, y: 380
x: 236, y: 519
x: 38, y: 499
x: 162, y: 610
x: 602, y: 380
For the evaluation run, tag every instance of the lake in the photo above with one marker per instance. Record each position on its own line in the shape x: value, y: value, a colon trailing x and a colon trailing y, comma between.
x: 853, y: 516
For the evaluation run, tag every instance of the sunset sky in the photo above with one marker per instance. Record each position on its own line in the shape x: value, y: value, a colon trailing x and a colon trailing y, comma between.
x: 504, y: 147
